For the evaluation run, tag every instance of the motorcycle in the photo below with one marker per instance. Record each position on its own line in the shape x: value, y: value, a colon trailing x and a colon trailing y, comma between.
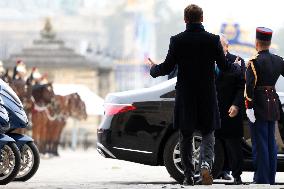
x: 10, y: 157
x: 30, y: 158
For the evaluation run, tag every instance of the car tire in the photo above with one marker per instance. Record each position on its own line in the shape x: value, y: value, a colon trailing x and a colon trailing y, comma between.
x: 169, y: 160
x: 175, y: 172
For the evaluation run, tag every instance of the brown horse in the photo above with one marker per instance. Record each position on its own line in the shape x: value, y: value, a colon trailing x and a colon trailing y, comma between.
x: 20, y: 88
x: 77, y: 107
x: 57, y: 120
x: 42, y: 95
x: 70, y: 106
x: 23, y: 91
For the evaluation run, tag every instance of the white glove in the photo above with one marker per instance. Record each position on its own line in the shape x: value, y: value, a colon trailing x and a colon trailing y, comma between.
x: 250, y: 115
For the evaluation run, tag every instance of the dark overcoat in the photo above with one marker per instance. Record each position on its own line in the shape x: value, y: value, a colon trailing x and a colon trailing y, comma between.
x: 195, y: 51
x: 230, y: 91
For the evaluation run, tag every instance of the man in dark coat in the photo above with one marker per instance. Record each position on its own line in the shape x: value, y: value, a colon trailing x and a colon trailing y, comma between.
x: 174, y: 73
x: 195, y: 51
x: 230, y: 92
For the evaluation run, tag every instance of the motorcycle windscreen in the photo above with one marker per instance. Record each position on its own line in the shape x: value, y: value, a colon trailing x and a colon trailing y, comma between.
x: 7, y: 91
x: 13, y: 105
x: 4, y: 118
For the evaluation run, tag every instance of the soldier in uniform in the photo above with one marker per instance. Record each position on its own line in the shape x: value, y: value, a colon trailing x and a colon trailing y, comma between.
x: 19, y: 71
x: 44, y: 79
x: 35, y: 77
x: 262, y: 106
x: 2, y: 71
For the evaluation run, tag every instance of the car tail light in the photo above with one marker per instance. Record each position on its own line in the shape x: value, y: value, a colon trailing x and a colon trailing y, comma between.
x: 113, y: 109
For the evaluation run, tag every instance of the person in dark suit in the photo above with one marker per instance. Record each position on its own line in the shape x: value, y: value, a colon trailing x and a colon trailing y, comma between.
x: 281, y: 113
x: 262, y: 103
x: 230, y: 92
x: 195, y: 51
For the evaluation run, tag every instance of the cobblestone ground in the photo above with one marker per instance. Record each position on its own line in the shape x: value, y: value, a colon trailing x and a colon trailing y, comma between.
x: 80, y: 170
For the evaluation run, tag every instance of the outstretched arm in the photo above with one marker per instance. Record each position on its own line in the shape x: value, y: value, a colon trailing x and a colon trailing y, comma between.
x: 168, y: 65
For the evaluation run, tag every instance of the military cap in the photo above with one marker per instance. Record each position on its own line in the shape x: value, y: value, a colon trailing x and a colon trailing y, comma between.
x: 263, y: 34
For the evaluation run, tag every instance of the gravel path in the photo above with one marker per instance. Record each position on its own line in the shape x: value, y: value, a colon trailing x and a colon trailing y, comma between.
x: 80, y: 170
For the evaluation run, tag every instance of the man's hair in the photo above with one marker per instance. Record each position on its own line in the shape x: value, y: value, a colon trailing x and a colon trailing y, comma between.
x: 264, y: 44
x: 193, y: 14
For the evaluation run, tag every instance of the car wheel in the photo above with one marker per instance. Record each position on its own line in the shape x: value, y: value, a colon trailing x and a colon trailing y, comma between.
x: 172, y: 158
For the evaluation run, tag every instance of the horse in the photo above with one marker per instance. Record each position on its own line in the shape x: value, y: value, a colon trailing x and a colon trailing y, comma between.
x: 71, y: 106
x: 57, y: 119
x: 42, y: 96
x: 77, y: 107
x: 20, y: 88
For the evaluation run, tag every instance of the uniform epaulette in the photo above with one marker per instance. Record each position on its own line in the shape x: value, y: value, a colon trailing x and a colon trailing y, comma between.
x: 250, y: 60
x: 278, y: 56
x: 253, y: 57
x: 251, y: 65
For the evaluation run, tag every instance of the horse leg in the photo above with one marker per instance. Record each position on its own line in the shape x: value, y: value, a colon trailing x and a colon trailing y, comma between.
x: 35, y: 131
x: 57, y: 139
x: 45, y: 138
x: 54, y: 139
x: 50, y: 135
x: 42, y: 133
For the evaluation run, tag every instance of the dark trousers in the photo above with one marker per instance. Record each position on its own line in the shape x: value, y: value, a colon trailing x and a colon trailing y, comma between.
x: 264, y: 151
x: 186, y: 151
x: 233, y: 155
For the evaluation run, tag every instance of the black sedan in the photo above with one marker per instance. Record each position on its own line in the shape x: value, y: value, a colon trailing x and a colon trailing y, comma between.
x: 138, y: 127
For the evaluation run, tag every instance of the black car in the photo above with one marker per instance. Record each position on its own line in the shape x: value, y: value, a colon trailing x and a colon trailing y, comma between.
x: 138, y: 127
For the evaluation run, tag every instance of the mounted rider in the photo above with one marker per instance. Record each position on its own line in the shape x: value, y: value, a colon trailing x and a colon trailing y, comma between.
x: 2, y: 71
x: 19, y: 71
x: 44, y: 79
x: 34, y: 77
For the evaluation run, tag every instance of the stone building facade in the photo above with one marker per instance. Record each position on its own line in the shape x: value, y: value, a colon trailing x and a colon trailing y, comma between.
x: 64, y: 66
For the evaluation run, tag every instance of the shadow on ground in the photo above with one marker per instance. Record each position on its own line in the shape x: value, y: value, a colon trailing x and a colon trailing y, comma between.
x: 139, y: 182
x: 170, y: 183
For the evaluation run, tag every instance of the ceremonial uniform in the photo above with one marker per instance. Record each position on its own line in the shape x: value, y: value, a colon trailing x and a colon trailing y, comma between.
x: 262, y: 73
x: 34, y: 77
x: 19, y: 71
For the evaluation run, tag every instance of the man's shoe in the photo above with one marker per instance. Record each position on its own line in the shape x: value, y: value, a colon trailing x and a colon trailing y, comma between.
x: 224, y: 176
x: 238, y: 181
x: 198, y: 182
x: 188, y: 181
x: 227, y: 176
x: 206, y: 176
